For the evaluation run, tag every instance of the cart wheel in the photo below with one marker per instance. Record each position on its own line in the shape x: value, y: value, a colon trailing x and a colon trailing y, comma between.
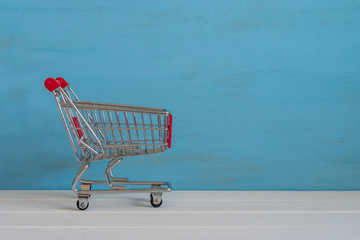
x: 155, y: 202
x: 83, y: 205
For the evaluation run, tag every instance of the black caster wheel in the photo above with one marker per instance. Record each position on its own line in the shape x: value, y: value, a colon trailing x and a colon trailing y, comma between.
x: 155, y: 202
x: 83, y: 205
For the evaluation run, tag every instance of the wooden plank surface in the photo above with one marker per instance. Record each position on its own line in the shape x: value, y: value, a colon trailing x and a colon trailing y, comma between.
x: 191, y: 215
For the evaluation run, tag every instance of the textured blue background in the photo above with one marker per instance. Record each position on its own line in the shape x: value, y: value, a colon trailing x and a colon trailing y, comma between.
x: 265, y: 94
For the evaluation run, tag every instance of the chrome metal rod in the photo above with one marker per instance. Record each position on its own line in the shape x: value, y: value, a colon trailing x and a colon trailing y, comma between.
x: 111, y: 165
x: 138, y: 190
x: 97, y: 182
x: 81, y: 171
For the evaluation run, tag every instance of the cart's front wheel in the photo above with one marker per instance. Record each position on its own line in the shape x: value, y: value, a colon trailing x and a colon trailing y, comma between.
x: 155, y: 202
x: 82, y: 204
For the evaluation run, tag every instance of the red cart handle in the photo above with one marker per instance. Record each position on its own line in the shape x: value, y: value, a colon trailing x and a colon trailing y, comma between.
x: 170, y: 130
x: 77, y: 125
x: 62, y: 82
x: 52, y: 84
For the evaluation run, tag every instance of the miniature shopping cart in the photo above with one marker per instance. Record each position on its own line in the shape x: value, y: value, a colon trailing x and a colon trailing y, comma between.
x: 101, y: 131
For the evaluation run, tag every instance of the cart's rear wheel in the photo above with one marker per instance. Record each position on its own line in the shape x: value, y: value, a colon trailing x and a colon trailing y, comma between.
x: 82, y: 204
x: 155, y: 202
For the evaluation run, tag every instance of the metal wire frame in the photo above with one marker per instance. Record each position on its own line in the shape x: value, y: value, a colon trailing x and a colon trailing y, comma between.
x: 108, y: 131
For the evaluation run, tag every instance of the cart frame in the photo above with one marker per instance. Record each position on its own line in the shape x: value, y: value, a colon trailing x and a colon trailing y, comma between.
x: 92, y: 129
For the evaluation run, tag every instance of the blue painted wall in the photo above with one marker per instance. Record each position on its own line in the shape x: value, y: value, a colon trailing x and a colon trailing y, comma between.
x: 265, y: 94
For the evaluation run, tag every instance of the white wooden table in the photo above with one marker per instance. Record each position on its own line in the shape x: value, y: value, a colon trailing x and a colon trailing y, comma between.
x: 183, y: 215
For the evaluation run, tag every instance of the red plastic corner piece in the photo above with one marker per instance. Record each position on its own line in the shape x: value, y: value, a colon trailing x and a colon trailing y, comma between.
x: 77, y: 125
x: 62, y: 82
x: 51, y: 84
x: 170, y: 130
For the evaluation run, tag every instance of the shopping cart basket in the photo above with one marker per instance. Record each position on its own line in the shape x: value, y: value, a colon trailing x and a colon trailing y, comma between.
x: 102, y: 131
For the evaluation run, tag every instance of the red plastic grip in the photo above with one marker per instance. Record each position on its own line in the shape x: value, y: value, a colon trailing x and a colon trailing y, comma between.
x: 170, y: 130
x: 51, y: 84
x: 62, y: 82
x: 77, y: 125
